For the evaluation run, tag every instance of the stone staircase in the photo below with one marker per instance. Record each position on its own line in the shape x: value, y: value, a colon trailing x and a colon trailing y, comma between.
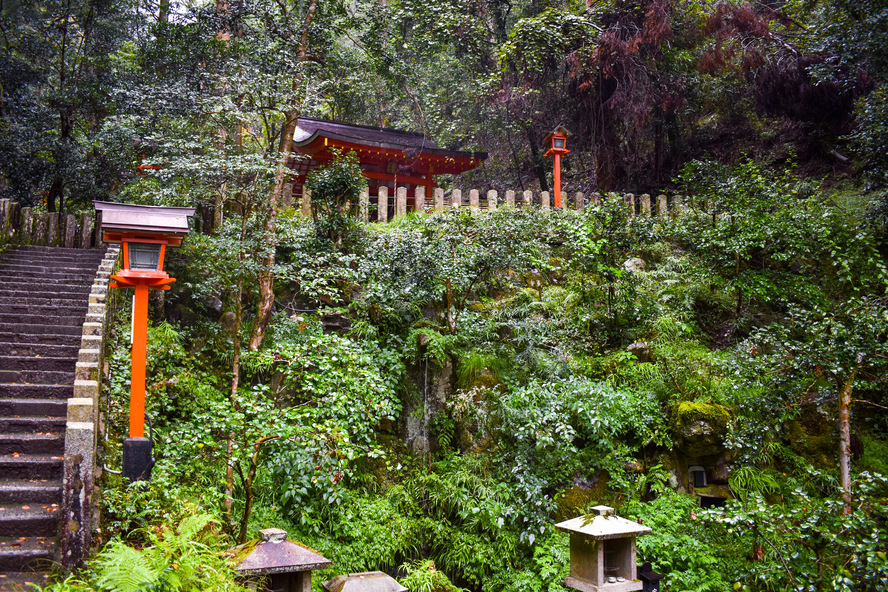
x: 44, y: 294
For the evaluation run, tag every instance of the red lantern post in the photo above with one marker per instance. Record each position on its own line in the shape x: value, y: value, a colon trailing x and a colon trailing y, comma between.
x: 144, y: 232
x: 557, y: 140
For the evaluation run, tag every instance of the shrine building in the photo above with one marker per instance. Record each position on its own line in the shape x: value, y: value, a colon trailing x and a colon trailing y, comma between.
x: 388, y: 157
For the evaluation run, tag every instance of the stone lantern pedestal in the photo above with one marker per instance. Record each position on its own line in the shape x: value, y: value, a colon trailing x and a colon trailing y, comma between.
x: 284, y: 565
x: 602, y: 552
x: 368, y: 581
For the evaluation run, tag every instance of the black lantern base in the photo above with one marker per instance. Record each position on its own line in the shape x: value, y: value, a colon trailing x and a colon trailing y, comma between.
x: 137, y: 461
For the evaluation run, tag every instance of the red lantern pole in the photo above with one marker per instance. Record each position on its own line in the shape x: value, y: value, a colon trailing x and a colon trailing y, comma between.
x: 139, y: 362
x: 557, y: 180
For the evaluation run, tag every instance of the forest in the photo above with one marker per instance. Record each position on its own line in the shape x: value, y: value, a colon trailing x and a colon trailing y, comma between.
x: 429, y: 396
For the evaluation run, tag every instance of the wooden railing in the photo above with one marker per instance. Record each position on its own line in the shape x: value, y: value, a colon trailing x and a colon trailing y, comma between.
x: 24, y: 226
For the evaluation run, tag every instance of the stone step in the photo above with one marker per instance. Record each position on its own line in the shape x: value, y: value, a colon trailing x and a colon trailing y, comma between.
x: 32, y: 329
x: 31, y: 424
x: 33, y: 407
x: 31, y: 466
x: 54, y: 320
x: 36, y: 377
x: 20, y: 261
x: 27, y: 520
x: 59, y: 392
x: 60, y: 250
x: 27, y: 265
x: 42, y: 276
x: 44, y: 339
x: 39, y: 350
x: 26, y: 491
x: 19, y: 554
x: 29, y: 300
x: 45, y: 286
x: 65, y: 364
x: 51, y: 443
x: 56, y: 253
x: 72, y: 308
x: 23, y: 263
x: 12, y: 581
x: 19, y: 294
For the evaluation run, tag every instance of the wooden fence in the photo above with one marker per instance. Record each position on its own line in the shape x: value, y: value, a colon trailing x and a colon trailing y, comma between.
x: 401, y: 203
x: 24, y: 226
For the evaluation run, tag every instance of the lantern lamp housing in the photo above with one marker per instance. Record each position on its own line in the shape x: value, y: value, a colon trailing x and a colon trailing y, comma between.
x: 144, y: 256
x: 557, y: 142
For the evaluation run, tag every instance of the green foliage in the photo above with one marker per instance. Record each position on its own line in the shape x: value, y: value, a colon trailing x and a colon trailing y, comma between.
x: 680, y: 546
x: 422, y: 576
x: 808, y: 541
x: 184, y: 556
x: 335, y: 188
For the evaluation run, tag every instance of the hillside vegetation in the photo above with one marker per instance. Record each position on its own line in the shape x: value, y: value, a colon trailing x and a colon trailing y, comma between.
x: 429, y: 397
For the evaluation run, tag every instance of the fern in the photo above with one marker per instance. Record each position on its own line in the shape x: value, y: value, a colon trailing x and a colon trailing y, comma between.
x: 748, y: 480
x: 121, y: 568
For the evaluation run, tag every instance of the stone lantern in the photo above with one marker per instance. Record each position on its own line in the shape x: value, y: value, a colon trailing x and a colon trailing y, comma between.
x: 368, y: 581
x: 286, y: 564
x: 602, y: 552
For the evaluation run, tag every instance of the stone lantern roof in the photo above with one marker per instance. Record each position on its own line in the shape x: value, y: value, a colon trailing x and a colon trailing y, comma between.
x: 602, y: 524
x: 273, y: 553
x: 368, y: 581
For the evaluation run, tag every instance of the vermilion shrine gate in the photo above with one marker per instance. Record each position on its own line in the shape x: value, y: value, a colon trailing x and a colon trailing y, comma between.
x: 388, y: 157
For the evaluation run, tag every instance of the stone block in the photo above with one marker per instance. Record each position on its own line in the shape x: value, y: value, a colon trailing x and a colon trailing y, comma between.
x: 86, y: 389
x: 86, y: 371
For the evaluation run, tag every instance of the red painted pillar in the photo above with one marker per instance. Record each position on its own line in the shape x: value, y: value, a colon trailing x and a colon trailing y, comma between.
x: 557, y: 180
x: 140, y: 359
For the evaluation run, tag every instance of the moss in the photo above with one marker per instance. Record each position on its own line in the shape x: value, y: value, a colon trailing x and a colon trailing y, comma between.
x: 700, y: 428
x: 875, y: 454
x: 576, y: 501
x: 812, y: 435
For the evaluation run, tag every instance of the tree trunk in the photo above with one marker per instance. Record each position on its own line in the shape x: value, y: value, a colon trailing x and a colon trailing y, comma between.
x: 266, y: 278
x: 538, y: 165
x: 845, y: 436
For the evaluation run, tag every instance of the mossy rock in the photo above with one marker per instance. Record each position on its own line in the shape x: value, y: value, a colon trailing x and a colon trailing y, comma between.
x: 812, y: 434
x: 575, y: 501
x: 700, y: 428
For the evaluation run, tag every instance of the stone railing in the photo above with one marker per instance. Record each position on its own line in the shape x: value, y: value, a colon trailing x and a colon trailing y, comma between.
x: 25, y: 226
x: 399, y: 203
x: 83, y: 421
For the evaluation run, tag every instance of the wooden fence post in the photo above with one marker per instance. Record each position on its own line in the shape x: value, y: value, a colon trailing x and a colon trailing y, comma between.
x: 400, y: 201
x: 306, y: 202
x: 86, y: 228
x: 52, y: 230
x: 474, y: 199
x: 287, y: 196
x: 70, y: 231
x: 382, y: 204
x: 26, y: 229
x: 629, y: 200
x: 364, y: 205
